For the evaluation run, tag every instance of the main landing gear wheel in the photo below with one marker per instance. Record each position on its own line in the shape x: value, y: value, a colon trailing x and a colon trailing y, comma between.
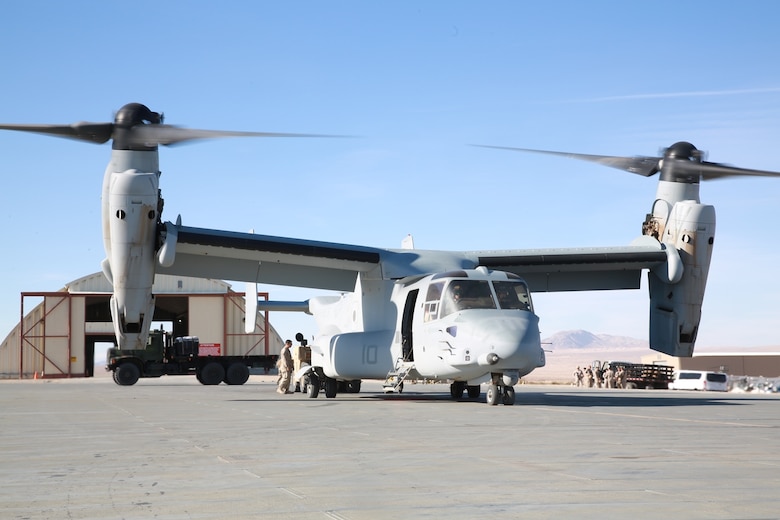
x: 456, y: 389
x: 331, y: 387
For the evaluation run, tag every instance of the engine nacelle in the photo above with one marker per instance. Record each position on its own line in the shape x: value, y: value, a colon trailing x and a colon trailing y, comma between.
x: 356, y: 355
x: 132, y: 336
x: 131, y: 215
x: 675, y: 308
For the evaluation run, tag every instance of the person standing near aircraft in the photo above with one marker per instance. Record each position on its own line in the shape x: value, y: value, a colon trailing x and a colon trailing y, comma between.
x: 621, y: 377
x: 609, y: 377
x: 599, y: 375
x: 578, y: 375
x: 285, y: 369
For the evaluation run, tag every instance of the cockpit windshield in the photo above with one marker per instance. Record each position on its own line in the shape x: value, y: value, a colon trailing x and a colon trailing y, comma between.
x: 461, y: 295
x: 513, y: 295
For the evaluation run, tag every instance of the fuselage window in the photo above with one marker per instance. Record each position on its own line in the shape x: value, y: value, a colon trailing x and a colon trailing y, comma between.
x: 513, y: 295
x: 462, y: 295
x: 432, y: 300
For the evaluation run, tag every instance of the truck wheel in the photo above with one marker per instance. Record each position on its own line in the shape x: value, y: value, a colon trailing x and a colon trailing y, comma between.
x: 127, y: 374
x: 212, y: 373
x: 236, y: 374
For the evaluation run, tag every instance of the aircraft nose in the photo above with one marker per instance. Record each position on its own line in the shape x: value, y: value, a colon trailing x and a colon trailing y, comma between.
x: 503, y: 342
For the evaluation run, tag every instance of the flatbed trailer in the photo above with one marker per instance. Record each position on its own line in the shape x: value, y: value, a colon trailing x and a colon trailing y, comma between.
x: 641, y: 375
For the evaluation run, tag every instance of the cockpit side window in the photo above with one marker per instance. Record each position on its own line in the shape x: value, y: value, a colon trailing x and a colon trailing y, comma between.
x: 432, y: 301
x: 462, y: 295
x: 513, y: 295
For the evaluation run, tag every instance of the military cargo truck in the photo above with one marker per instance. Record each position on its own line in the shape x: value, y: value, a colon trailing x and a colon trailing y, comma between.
x: 185, y: 355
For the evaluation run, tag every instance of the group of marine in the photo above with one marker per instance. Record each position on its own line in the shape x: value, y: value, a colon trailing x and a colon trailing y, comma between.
x: 606, y: 378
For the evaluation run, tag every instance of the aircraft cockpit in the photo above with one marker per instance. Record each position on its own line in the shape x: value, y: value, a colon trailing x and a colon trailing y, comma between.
x: 447, y: 296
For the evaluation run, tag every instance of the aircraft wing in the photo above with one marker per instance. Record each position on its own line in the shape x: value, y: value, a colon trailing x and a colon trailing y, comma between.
x: 580, y: 269
x: 226, y: 255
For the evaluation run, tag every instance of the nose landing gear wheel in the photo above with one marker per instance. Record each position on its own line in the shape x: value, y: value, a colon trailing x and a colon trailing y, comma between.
x: 491, y: 397
x: 509, y: 396
x: 506, y: 394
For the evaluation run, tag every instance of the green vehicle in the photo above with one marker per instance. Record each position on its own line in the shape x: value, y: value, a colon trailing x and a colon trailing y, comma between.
x: 639, y: 375
x: 164, y: 355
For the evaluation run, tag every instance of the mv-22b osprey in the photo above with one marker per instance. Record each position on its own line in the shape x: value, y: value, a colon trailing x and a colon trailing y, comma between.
x: 463, y: 317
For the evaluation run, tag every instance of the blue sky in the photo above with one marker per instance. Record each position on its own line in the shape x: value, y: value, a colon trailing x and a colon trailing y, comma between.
x: 416, y: 82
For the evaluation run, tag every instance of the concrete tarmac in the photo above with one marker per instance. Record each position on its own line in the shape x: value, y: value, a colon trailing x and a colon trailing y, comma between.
x: 172, y: 449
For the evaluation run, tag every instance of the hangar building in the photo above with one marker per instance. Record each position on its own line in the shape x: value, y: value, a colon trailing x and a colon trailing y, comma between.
x: 752, y: 364
x: 61, y: 334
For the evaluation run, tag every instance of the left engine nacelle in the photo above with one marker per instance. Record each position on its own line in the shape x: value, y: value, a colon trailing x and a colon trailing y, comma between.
x: 675, y: 308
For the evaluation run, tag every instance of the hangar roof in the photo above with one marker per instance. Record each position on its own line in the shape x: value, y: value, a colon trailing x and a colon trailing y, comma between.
x: 163, y: 284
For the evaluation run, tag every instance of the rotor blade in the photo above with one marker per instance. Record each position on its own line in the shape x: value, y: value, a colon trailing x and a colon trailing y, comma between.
x: 712, y: 171
x: 94, y: 132
x: 645, y: 166
x: 167, y: 134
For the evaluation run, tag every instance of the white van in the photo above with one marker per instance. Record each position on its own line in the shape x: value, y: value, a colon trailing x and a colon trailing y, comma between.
x: 699, y: 380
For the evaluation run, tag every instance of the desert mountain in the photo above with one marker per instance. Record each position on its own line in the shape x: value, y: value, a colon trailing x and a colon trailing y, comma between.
x: 584, y: 340
x: 569, y: 349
